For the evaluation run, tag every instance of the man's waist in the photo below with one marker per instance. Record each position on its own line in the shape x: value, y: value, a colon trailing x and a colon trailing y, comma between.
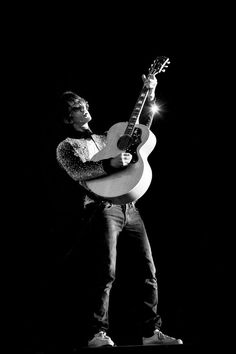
x: 90, y: 199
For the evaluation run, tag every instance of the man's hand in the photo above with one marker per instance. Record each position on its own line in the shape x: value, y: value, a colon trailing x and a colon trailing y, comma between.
x: 121, y: 160
x: 150, y: 82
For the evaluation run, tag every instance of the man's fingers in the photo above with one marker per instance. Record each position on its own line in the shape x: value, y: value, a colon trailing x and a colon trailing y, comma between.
x: 126, y: 158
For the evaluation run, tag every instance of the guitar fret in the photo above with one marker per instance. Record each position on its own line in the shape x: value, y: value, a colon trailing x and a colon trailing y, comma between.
x: 136, y: 111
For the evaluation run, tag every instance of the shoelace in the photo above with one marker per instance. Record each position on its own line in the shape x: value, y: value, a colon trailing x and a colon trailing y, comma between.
x: 162, y: 335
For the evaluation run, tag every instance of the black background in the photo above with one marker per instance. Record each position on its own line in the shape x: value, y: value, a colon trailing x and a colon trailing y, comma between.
x: 101, y: 54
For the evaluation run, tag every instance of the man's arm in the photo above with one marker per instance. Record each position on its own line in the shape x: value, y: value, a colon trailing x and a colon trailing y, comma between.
x: 81, y: 170
x: 78, y: 168
x: 147, y: 113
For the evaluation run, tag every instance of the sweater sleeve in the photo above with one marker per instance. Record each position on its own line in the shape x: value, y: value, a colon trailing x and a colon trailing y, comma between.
x: 77, y: 168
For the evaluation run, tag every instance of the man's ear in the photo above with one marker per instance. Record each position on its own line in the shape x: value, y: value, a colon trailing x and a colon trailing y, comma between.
x: 68, y: 120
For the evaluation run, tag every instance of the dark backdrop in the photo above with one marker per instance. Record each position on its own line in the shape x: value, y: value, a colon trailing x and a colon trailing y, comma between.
x: 103, y: 58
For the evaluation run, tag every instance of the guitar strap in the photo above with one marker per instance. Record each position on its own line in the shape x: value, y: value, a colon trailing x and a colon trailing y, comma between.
x: 95, y: 143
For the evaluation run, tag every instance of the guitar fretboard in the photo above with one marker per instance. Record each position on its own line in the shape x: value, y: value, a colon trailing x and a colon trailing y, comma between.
x: 136, y: 111
x: 160, y: 64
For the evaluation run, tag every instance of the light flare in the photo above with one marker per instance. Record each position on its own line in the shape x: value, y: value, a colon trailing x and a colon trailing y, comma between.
x: 157, y: 109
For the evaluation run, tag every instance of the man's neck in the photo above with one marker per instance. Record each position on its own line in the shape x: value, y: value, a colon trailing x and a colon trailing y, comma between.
x: 80, y: 128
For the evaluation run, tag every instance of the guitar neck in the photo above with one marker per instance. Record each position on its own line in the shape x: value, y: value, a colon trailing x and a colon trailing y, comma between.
x: 159, y: 65
x: 136, y: 111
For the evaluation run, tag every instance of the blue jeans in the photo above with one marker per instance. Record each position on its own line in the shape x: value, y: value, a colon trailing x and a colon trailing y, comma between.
x: 104, y: 224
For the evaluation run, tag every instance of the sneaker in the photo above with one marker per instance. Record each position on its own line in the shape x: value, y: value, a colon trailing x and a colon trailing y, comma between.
x: 99, y: 340
x: 160, y: 338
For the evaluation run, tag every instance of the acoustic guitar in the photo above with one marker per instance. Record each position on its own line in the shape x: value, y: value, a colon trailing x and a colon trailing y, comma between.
x: 131, y: 182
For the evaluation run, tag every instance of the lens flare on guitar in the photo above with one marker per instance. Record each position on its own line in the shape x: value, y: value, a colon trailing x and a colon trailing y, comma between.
x: 155, y: 108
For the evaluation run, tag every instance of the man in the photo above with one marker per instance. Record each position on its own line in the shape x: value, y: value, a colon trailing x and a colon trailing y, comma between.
x: 106, y: 221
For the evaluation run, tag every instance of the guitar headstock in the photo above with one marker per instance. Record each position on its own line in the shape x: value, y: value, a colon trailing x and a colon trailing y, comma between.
x: 160, y: 64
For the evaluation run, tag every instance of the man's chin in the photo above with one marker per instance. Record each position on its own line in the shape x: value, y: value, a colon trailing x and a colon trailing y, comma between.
x: 88, y: 119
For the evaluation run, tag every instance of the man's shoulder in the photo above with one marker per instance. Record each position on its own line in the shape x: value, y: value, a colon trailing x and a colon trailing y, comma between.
x: 71, y: 139
x: 102, y: 137
x: 82, y: 142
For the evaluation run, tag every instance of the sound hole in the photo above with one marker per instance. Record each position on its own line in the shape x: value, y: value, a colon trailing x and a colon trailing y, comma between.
x: 124, y: 142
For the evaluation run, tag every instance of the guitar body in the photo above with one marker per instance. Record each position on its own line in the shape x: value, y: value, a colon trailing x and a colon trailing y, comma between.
x: 131, y: 182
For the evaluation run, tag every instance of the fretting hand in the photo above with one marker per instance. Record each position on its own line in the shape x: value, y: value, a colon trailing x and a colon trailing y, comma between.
x: 150, y: 82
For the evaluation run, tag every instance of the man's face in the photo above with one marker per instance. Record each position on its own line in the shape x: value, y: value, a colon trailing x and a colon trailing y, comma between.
x: 79, y: 113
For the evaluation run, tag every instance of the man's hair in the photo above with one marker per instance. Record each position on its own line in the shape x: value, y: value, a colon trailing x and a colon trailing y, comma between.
x: 68, y: 99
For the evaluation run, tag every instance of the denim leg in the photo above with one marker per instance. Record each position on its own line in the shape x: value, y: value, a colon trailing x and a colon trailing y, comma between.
x: 141, y: 246
x: 104, y: 227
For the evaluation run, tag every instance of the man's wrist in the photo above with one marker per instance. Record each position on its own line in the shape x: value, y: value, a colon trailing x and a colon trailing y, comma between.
x: 107, y: 165
x: 151, y: 97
